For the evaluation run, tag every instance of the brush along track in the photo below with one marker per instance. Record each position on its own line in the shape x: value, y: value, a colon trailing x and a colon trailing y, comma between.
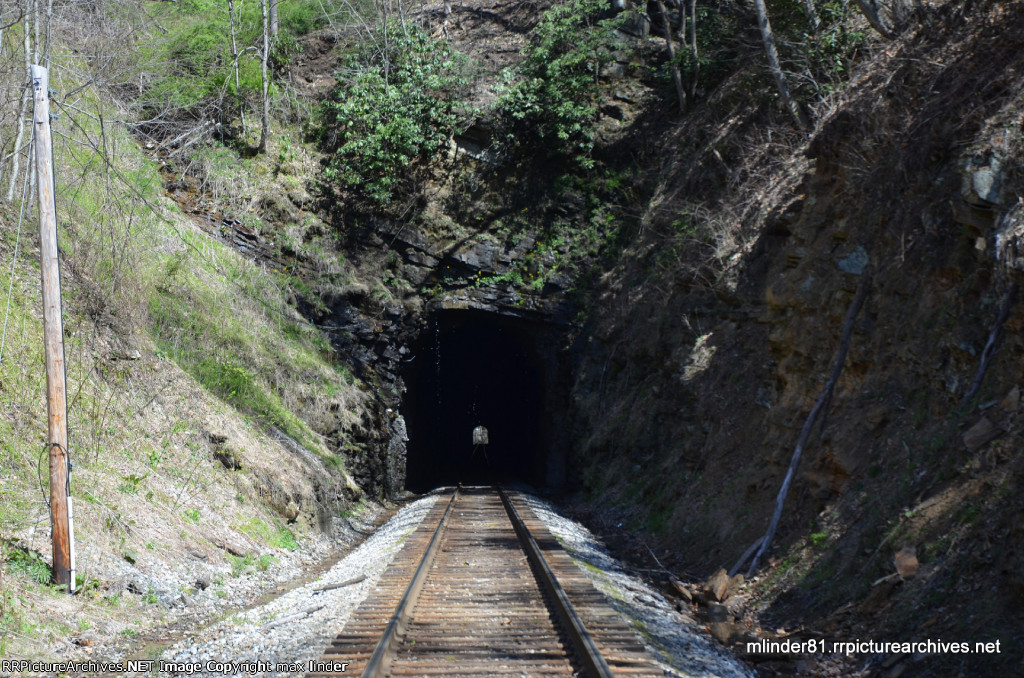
x: 472, y: 593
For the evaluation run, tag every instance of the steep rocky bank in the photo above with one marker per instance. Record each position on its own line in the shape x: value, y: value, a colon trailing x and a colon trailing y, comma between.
x: 691, y: 386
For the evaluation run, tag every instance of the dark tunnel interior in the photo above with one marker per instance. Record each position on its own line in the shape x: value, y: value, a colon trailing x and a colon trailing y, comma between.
x: 471, y: 369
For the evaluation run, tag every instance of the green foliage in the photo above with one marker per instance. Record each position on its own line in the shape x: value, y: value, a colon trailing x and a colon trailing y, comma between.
x: 130, y: 483
x: 512, y: 277
x: 552, y: 98
x: 191, y: 65
x: 824, y: 59
x: 968, y: 514
x: 276, y: 535
x: 657, y: 521
x: 716, y: 48
x: 243, y: 564
x: 298, y: 18
x: 834, y: 49
x: 30, y: 565
x: 392, y: 108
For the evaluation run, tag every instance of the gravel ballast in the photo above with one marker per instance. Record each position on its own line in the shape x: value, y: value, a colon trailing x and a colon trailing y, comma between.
x: 282, y: 636
x: 293, y: 629
x: 681, y: 647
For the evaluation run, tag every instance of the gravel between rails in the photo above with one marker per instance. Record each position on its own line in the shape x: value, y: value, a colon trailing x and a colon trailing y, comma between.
x: 293, y: 629
x: 682, y: 648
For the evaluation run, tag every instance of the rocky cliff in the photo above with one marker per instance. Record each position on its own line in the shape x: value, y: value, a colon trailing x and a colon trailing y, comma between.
x: 692, y: 380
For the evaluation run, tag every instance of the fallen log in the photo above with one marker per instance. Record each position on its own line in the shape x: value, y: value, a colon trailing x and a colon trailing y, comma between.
x: 347, y: 582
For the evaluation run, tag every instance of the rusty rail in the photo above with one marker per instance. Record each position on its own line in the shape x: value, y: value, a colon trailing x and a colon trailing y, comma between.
x: 380, y: 660
x: 583, y: 643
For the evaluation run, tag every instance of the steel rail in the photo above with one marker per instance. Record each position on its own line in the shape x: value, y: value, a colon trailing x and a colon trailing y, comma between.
x: 383, y: 653
x: 583, y: 643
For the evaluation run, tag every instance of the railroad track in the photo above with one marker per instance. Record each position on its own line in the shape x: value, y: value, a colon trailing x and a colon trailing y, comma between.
x: 482, y: 588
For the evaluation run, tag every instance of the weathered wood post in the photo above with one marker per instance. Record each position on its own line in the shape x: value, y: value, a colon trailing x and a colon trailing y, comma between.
x: 53, y: 340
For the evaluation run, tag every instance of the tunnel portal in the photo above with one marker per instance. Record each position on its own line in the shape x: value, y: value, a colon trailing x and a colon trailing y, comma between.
x: 474, y: 368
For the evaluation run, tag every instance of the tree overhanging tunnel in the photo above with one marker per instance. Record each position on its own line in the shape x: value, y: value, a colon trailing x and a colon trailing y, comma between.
x: 475, y: 368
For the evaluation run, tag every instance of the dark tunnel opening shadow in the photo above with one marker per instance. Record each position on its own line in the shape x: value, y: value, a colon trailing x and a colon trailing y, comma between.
x: 476, y: 369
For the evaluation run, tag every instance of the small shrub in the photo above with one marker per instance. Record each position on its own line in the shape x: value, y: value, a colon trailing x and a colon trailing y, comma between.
x: 392, y: 108
x: 131, y: 482
x: 276, y: 535
x: 552, y: 97
x: 243, y: 564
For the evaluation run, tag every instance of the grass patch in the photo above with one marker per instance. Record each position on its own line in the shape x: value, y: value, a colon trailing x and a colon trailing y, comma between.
x: 29, y: 565
x: 276, y: 535
x: 241, y: 565
x: 229, y: 326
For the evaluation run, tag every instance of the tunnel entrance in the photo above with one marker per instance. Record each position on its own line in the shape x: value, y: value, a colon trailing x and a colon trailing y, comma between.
x: 475, y: 368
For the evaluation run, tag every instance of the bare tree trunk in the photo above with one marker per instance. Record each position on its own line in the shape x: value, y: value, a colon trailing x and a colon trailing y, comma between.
x: 265, y: 132
x: 768, y: 38
x: 812, y: 16
x: 46, y: 45
x: 990, y: 346
x: 820, y: 406
x: 2, y: 31
x: 401, y: 18
x: 275, y: 27
x: 234, y: 57
x: 695, y: 71
x: 383, y: 17
x: 677, y: 79
x: 869, y: 8
x: 25, y: 94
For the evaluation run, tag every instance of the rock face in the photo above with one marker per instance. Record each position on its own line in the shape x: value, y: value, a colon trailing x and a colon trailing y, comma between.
x: 396, y: 455
x: 906, y: 562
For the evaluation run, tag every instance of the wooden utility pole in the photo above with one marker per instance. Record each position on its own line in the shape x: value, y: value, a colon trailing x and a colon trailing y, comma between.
x: 53, y: 341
